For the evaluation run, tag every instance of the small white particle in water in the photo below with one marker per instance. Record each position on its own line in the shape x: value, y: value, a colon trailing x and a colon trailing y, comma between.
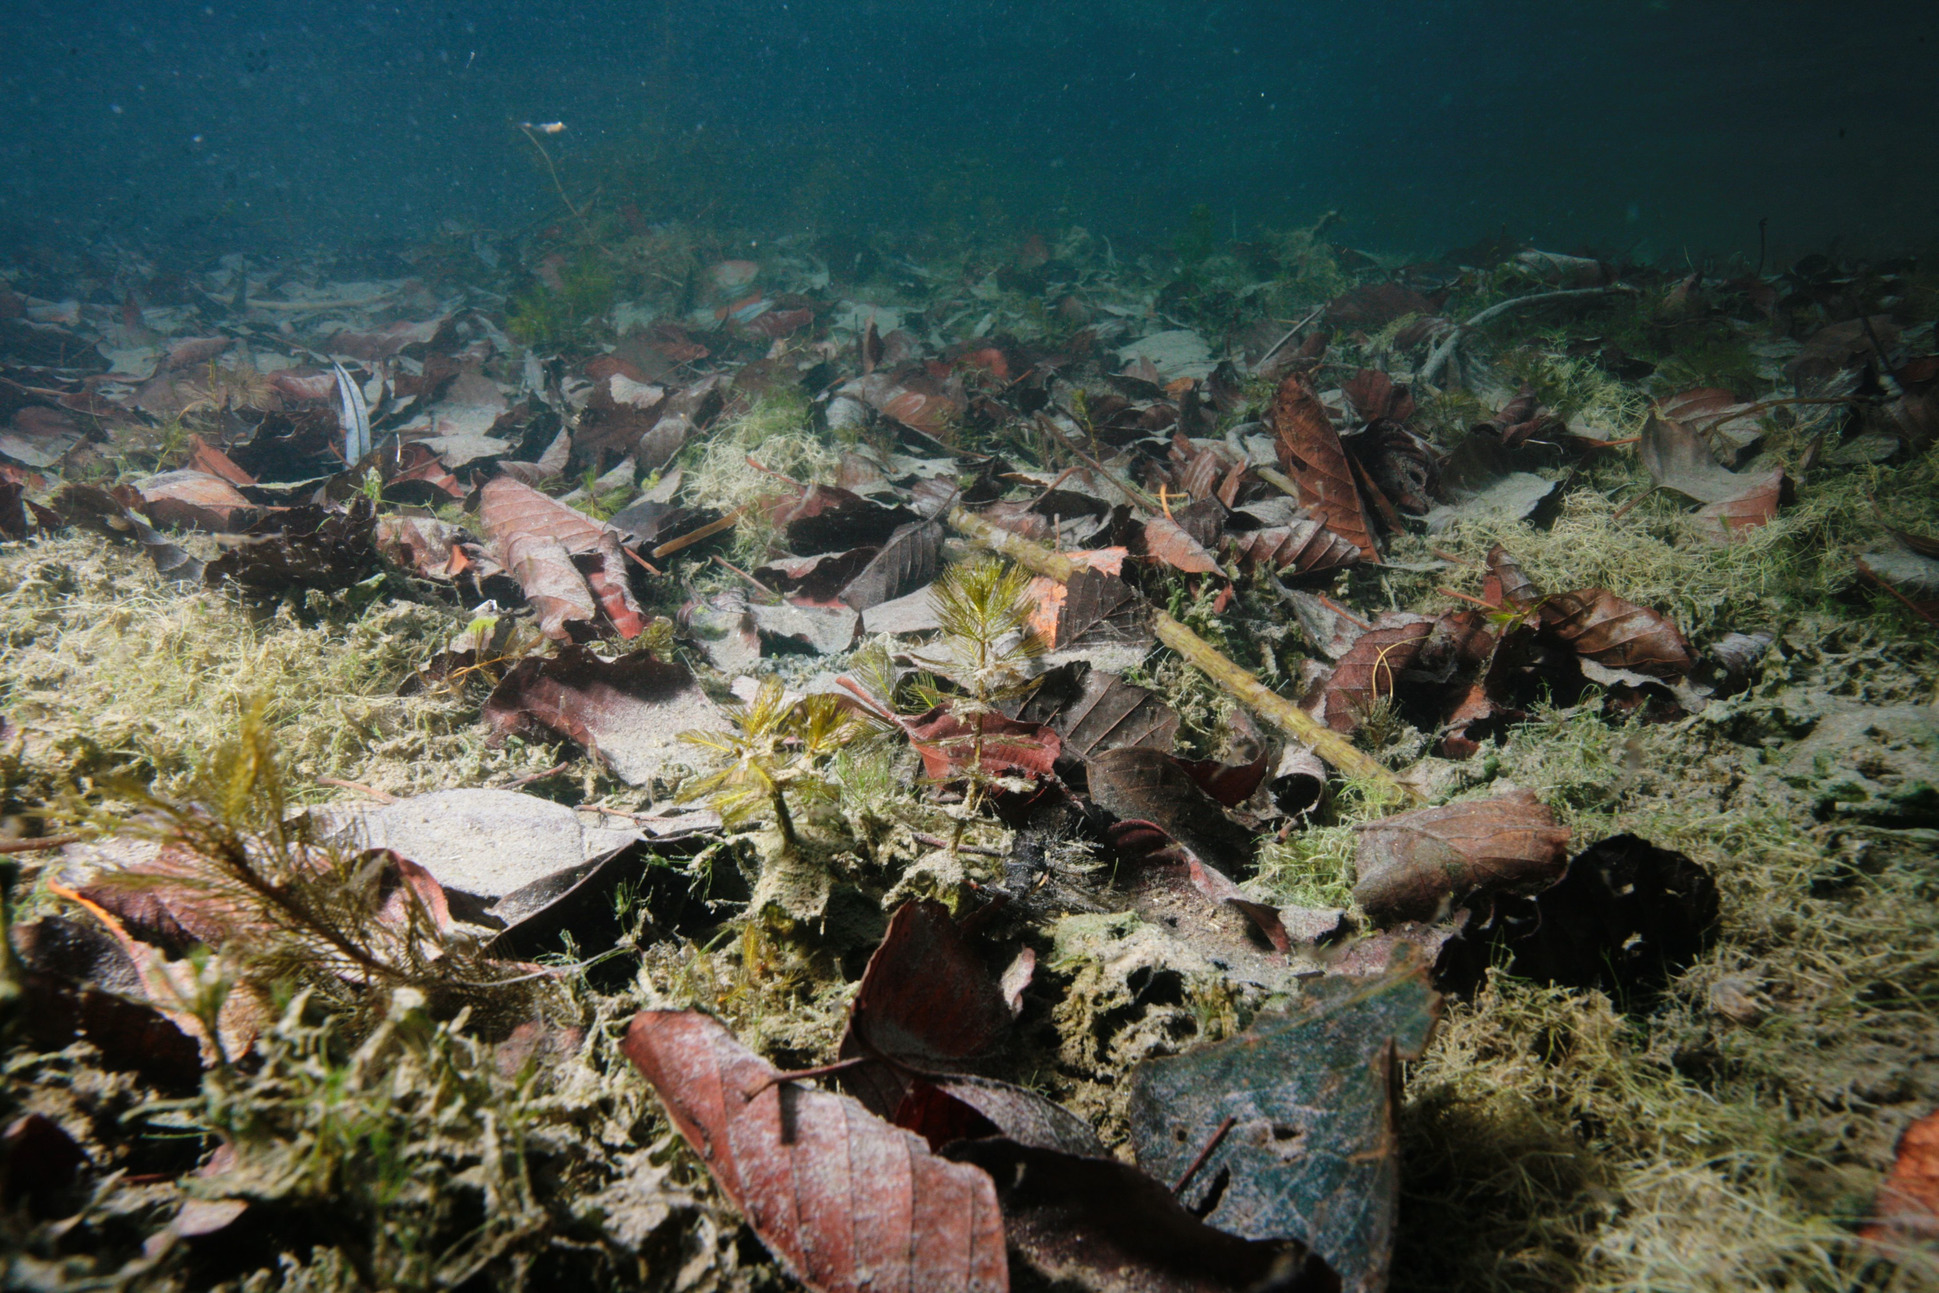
x: 115, y: 108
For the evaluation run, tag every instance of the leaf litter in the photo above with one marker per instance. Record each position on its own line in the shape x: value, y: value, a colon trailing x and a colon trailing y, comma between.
x: 594, y: 670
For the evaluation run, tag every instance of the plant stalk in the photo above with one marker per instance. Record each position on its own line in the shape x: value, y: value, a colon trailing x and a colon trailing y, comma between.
x: 1282, y: 713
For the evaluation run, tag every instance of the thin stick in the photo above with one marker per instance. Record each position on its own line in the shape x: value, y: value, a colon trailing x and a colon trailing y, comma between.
x: 1276, y: 709
x: 530, y: 777
x: 381, y: 796
x: 1139, y: 499
x: 1290, y: 333
x: 1445, y: 591
x: 555, y: 178
x: 1217, y: 1138
x: 1343, y: 612
x: 749, y: 578
x: 938, y: 842
x: 1624, y: 510
x: 804, y: 1075
x: 1445, y: 351
x: 38, y: 845
x: 692, y: 537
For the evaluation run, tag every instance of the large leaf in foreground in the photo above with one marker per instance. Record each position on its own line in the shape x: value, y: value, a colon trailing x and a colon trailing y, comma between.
x: 1309, y: 1154
x: 846, y: 1201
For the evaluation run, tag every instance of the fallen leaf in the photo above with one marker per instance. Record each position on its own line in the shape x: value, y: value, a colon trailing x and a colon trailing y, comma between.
x: 948, y: 744
x: 1101, y: 609
x: 1677, y: 459
x: 1140, y: 784
x: 1418, y: 865
x: 1165, y: 541
x: 1095, y: 1225
x: 99, y: 510
x: 927, y: 1004
x: 1617, y: 634
x: 909, y: 559
x: 1310, y: 1153
x: 1370, y: 670
x: 304, y: 547
x: 196, y: 500
x: 1306, y: 547
x: 538, y: 538
x: 627, y: 712
x: 847, y: 1203
x: 943, y: 1110
x: 1310, y: 452
x: 1096, y: 711
x: 1375, y: 305
x: 1907, y: 1210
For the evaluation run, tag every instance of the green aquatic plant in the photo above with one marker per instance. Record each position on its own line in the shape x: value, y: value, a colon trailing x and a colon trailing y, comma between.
x: 776, y: 747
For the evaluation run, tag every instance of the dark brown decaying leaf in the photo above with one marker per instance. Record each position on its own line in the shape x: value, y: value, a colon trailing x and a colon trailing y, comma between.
x: 909, y: 559
x: 1139, y: 784
x: 942, y: 1109
x: 927, y: 1003
x: 1100, y: 609
x: 99, y: 510
x: 847, y: 1203
x: 1306, y: 547
x: 1368, y: 672
x: 1508, y: 584
x: 1415, y: 866
x: 1617, y: 634
x: 627, y: 712
x: 1096, y: 711
x: 1101, y: 1226
x: 304, y: 547
x: 1311, y: 1151
x: 1310, y: 452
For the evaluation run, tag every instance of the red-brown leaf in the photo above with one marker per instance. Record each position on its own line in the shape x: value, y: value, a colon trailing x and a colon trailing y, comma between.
x: 1166, y: 542
x: 1366, y: 674
x: 1413, y: 866
x: 538, y: 537
x: 1305, y: 547
x: 1618, y: 634
x: 947, y: 744
x: 1310, y: 452
x: 1908, y: 1202
x: 847, y: 1203
x: 196, y: 500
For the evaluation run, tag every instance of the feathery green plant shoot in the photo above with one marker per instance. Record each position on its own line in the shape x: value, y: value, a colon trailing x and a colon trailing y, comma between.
x: 775, y: 747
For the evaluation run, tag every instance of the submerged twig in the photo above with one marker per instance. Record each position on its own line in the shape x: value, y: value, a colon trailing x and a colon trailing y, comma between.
x: 1438, y: 359
x: 1282, y: 713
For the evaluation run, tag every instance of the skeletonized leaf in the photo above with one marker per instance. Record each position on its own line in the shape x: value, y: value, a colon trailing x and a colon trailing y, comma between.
x: 848, y: 1203
x: 1311, y: 1153
x: 1617, y: 634
x: 1414, y: 866
x: 1310, y: 452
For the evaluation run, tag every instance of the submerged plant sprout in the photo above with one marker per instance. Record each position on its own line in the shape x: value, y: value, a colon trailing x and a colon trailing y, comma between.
x: 1117, y: 646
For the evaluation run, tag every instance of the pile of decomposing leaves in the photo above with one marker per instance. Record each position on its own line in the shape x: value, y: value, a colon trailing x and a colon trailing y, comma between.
x: 960, y: 720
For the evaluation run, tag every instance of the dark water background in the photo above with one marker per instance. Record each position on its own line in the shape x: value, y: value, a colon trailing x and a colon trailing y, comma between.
x: 1650, y: 128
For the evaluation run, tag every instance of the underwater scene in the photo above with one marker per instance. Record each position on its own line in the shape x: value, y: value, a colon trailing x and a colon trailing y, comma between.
x: 1121, y: 646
